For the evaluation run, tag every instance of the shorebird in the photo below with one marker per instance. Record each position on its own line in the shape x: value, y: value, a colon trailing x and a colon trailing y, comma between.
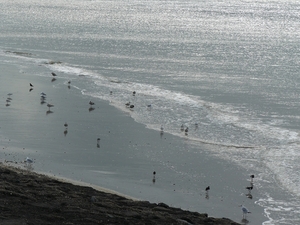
x: 66, y: 125
x: 131, y: 106
x: 207, y: 188
x: 43, y: 94
x: 249, y: 188
x: 28, y: 160
x: 153, y: 179
x: 149, y: 106
x: 133, y: 93
x: 91, y: 103
x: 245, y: 211
x: 161, y: 129
x: 69, y: 82
x: 182, y: 127
x: 54, y: 74
x: 98, y: 142
x: 49, y: 106
x: 252, y: 176
x: 31, y: 85
x: 127, y: 104
x: 186, y: 131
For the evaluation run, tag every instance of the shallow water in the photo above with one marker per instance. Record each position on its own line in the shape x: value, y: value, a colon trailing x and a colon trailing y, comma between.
x: 231, y: 67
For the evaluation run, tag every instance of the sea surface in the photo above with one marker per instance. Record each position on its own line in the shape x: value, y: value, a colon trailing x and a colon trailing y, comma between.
x: 227, y: 70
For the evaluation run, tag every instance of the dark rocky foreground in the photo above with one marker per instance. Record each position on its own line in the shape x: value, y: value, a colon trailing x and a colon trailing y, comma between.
x: 34, y: 199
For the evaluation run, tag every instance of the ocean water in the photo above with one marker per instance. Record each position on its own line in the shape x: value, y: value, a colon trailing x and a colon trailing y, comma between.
x: 227, y: 70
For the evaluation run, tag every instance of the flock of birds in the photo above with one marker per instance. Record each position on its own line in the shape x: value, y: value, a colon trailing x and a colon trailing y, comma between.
x: 28, y: 161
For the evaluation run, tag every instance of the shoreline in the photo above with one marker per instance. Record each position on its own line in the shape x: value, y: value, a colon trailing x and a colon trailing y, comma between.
x: 128, y: 155
x: 29, y: 197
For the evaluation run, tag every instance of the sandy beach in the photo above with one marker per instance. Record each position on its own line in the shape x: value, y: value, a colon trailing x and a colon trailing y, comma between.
x: 121, y: 160
x: 30, y: 198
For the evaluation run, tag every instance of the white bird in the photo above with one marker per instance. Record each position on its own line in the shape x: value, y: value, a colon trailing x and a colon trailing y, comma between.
x: 245, y: 211
x: 28, y: 160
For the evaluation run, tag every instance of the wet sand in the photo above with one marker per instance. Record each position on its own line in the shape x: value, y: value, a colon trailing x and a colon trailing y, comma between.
x: 127, y: 153
x: 30, y: 198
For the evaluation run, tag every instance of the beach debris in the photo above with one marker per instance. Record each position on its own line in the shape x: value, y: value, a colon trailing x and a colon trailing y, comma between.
x: 245, y: 211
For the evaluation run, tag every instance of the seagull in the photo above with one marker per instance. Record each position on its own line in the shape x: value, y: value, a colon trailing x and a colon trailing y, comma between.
x: 91, y: 103
x: 31, y: 85
x: 245, y: 211
x: 49, y: 105
x: 251, y: 176
x: 54, y: 74
x: 182, y: 127
x: 28, y: 160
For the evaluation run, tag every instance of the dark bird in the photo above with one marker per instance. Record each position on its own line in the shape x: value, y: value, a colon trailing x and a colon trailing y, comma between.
x: 251, y: 176
x: 30, y: 84
x: 127, y: 104
x: 54, y: 74
x: 249, y: 188
x: 49, y: 105
x: 91, y: 103
x: 207, y: 188
x: 66, y: 125
x: 154, y: 179
x: 131, y: 106
x: 133, y: 93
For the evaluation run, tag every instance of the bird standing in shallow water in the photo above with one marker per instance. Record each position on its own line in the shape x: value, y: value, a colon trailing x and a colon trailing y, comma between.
x: 245, y: 211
